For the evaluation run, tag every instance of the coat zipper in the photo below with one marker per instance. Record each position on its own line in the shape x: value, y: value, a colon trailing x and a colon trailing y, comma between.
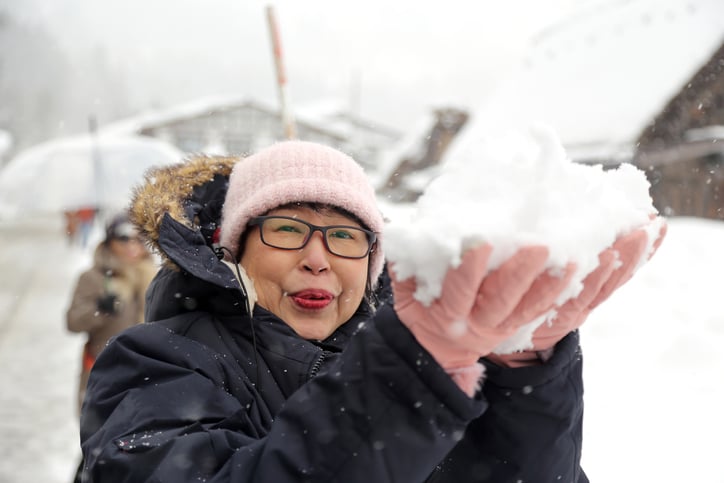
x: 318, y: 364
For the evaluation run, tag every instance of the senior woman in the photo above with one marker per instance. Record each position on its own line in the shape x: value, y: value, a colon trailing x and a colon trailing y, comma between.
x: 270, y: 355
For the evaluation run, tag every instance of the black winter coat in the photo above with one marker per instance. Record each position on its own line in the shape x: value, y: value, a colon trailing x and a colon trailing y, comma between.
x: 197, y: 395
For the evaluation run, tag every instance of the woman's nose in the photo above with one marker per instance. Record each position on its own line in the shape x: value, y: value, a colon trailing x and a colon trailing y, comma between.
x: 316, y: 255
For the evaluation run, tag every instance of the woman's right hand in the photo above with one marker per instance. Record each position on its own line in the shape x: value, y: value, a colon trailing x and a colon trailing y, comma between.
x: 107, y: 304
x: 477, y: 309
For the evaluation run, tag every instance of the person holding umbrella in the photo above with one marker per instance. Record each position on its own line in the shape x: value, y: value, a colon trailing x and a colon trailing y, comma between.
x: 110, y: 295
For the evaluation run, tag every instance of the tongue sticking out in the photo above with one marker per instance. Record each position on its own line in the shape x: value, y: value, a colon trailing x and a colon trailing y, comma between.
x: 312, y: 299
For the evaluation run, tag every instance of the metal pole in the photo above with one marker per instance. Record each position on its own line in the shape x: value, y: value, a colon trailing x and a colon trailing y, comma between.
x: 290, y: 130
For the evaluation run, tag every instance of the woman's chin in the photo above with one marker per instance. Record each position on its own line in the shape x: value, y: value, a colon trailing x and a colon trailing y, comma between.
x: 313, y: 328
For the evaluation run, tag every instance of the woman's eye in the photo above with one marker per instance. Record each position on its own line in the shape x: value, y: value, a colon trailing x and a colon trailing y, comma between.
x: 342, y: 234
x: 288, y: 229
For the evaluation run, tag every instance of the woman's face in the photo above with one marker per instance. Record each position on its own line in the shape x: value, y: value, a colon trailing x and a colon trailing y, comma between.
x: 310, y: 289
x: 129, y: 250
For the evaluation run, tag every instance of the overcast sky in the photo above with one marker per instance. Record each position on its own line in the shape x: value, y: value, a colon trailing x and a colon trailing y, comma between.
x: 403, y: 56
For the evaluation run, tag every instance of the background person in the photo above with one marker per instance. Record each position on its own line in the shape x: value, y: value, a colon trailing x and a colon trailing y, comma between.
x: 110, y: 296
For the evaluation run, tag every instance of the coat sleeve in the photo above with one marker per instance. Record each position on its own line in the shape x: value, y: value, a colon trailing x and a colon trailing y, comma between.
x: 82, y: 314
x: 532, y: 428
x: 160, y: 408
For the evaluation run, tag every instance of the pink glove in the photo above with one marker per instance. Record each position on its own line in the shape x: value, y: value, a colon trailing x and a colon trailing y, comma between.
x: 476, y: 310
x: 616, y: 266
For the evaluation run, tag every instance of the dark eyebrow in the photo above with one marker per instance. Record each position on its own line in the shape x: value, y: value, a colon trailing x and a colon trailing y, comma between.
x: 323, y: 208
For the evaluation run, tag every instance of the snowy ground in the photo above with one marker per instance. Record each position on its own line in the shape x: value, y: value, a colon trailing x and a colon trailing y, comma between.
x: 39, y: 360
x: 653, y: 353
x: 654, y: 366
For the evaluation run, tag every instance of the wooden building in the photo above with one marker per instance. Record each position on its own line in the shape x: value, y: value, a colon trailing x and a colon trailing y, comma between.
x: 630, y: 82
x: 241, y: 126
x: 682, y: 150
x: 417, y: 161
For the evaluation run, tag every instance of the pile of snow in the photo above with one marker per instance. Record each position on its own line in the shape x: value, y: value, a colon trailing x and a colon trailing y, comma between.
x: 512, y: 190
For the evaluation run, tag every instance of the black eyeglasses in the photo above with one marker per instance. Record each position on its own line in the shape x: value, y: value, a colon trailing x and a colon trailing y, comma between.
x: 293, y: 234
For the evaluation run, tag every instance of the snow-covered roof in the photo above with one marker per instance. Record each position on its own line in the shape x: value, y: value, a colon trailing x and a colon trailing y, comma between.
x: 412, y: 145
x: 339, y: 117
x: 325, y: 116
x: 604, y: 73
x: 188, y: 110
x: 607, y: 154
x: 323, y: 112
x: 709, y: 133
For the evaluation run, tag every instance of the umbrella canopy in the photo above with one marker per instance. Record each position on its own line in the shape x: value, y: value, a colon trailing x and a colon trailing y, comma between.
x: 84, y: 171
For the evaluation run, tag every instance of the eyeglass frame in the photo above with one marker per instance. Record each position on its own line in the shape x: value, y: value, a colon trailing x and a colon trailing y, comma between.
x: 371, y: 236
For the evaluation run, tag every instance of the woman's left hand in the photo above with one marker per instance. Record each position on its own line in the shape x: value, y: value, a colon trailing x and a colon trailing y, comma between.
x: 616, y: 267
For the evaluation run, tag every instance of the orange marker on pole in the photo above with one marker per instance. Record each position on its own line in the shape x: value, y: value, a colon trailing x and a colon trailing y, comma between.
x: 287, y: 118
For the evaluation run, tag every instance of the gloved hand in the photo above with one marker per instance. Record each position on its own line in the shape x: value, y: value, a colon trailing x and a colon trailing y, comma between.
x: 616, y: 266
x: 107, y: 304
x: 476, y: 310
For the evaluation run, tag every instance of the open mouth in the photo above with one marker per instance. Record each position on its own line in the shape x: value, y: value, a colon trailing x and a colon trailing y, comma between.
x: 312, y: 299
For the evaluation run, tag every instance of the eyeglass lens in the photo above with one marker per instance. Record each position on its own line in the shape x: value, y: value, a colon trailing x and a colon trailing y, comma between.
x: 290, y: 234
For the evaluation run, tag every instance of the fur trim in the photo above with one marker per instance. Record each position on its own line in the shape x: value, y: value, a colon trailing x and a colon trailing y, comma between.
x: 165, y: 190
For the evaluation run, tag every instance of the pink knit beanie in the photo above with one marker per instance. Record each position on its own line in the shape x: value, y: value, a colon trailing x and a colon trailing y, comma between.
x: 299, y: 171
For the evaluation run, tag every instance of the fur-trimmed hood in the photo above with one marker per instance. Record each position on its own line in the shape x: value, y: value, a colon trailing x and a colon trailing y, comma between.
x: 191, y: 193
x: 177, y: 211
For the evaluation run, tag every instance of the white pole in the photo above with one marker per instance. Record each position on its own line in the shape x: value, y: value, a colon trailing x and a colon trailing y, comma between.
x: 97, y: 162
x: 287, y: 118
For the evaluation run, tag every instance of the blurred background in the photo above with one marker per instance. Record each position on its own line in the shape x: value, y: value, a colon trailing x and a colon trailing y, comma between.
x: 393, y: 84
x: 93, y: 92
